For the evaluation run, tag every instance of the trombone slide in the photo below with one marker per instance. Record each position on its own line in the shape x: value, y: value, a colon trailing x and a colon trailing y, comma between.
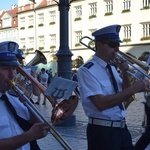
x: 89, y: 43
x: 134, y: 61
x: 131, y: 61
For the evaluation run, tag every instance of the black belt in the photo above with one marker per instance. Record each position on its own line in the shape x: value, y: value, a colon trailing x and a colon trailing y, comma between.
x: 108, y: 123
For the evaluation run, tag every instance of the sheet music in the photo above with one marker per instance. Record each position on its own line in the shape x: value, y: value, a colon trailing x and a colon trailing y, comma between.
x: 61, y: 88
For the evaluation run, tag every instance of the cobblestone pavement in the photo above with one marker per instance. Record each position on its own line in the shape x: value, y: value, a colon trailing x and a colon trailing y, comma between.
x: 75, y: 135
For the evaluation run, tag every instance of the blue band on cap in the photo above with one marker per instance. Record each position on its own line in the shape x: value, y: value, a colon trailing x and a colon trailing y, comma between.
x: 108, y: 36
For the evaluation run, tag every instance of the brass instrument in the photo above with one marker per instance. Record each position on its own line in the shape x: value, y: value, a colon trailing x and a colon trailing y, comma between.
x: 24, y: 83
x: 125, y: 57
x: 38, y: 58
x: 39, y: 116
x: 143, y: 68
x: 90, y: 41
x: 61, y: 111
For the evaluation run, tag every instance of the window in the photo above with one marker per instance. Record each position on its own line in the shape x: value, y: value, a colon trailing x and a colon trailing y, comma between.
x: 53, y: 42
x: 41, y: 42
x: 126, y: 4
x: 91, y: 31
x: 31, y: 22
x: 146, y: 3
x: 41, y: 20
x: 23, y: 43
x: 127, y: 33
x: 93, y: 9
x: 109, y: 6
x: 52, y: 16
x: 31, y: 43
x: 22, y: 23
x: 6, y: 21
x: 78, y: 10
x: 53, y: 39
x: 92, y: 43
x: 146, y: 29
x: 78, y: 35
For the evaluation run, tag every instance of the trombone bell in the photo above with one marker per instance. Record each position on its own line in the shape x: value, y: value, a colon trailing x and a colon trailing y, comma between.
x: 64, y: 109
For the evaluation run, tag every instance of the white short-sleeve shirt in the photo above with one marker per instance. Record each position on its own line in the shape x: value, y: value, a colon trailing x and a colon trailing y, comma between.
x: 44, y: 75
x: 8, y: 124
x: 94, y: 79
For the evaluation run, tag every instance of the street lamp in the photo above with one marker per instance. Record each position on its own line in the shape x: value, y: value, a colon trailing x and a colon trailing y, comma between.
x: 33, y: 1
x: 64, y: 54
x: 64, y: 62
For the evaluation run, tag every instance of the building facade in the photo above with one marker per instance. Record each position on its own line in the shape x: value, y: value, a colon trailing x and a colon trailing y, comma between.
x: 9, y: 24
x: 39, y: 25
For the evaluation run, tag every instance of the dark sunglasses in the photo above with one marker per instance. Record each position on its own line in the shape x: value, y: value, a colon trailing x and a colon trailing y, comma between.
x: 112, y: 44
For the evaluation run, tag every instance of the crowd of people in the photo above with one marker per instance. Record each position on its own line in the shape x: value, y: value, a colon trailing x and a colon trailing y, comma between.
x: 104, y: 92
x: 44, y: 77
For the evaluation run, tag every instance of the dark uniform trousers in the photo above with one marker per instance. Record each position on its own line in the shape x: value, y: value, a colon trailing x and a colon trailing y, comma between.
x: 144, y: 140
x: 108, y: 138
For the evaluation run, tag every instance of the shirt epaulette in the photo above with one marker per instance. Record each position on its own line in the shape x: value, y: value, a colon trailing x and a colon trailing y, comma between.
x: 89, y: 65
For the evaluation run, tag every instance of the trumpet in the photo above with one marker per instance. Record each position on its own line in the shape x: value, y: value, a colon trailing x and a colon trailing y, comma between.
x: 39, y: 116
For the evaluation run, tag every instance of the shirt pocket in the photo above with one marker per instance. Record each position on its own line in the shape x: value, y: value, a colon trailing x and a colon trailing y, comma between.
x: 5, y: 129
x: 107, y: 87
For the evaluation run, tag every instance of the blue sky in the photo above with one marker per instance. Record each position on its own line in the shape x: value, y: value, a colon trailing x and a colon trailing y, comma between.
x: 6, y: 4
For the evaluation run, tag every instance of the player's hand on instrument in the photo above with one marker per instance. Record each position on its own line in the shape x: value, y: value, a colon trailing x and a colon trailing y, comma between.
x: 38, y: 130
x: 147, y: 84
x: 123, y: 66
x: 142, y: 85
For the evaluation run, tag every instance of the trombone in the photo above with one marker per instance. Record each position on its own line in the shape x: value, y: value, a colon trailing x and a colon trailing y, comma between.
x: 39, y: 116
x: 143, y: 68
x: 89, y: 42
x: 61, y: 111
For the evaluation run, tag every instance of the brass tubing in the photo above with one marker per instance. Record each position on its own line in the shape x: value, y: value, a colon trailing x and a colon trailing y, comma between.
x: 39, y: 116
x: 37, y: 84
